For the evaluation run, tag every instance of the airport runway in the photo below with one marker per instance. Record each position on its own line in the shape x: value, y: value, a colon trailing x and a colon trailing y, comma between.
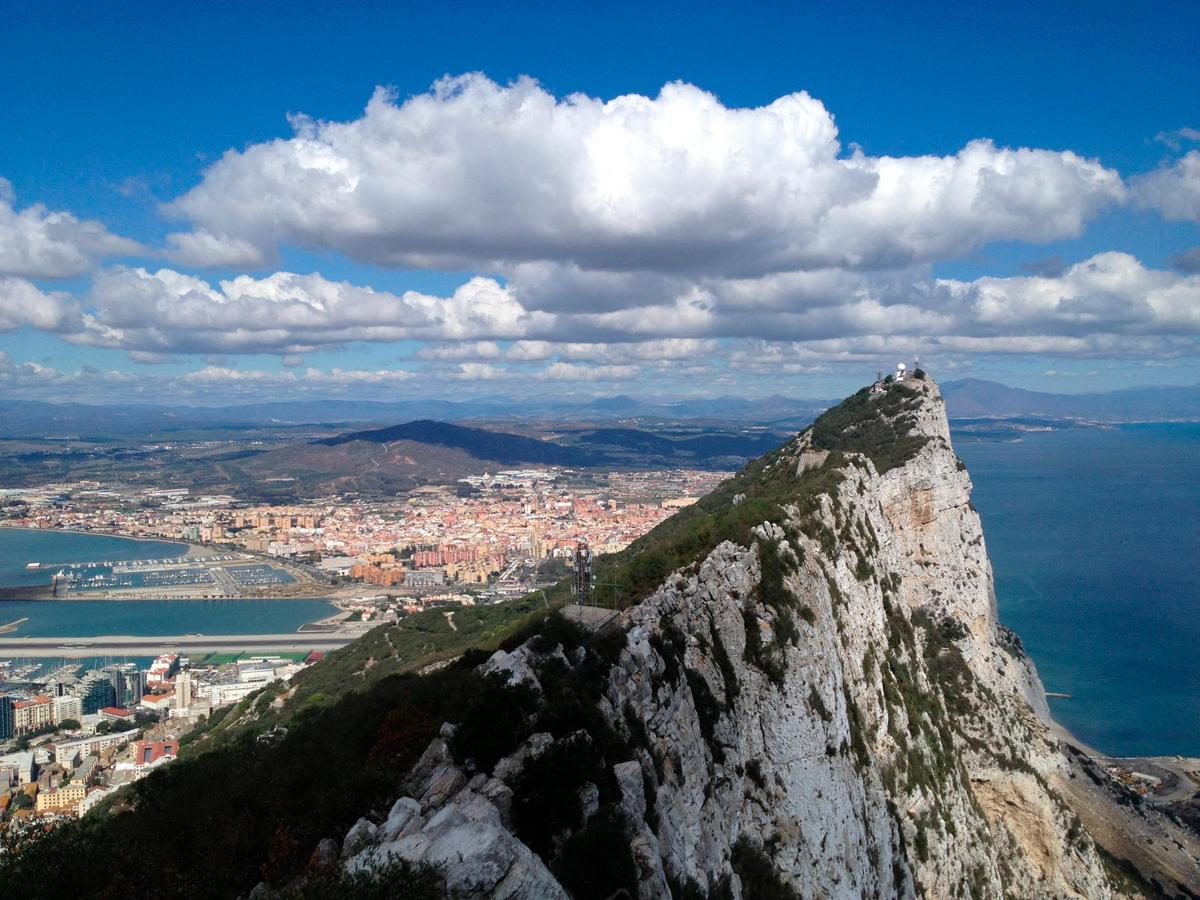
x: 126, y: 645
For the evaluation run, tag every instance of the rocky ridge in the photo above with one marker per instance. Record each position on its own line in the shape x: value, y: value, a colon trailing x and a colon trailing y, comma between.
x: 826, y: 707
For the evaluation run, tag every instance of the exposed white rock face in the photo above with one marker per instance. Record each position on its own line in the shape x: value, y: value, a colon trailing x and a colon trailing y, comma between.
x: 459, y: 827
x: 857, y: 718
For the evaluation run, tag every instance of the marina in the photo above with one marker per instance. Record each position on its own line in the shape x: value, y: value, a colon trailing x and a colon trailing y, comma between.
x: 191, y: 576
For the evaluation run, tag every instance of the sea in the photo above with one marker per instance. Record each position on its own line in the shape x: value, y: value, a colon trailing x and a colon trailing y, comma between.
x: 86, y: 618
x: 1094, y: 536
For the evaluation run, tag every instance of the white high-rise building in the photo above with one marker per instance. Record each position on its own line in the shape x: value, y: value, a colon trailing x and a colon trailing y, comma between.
x: 67, y: 707
x: 183, y: 690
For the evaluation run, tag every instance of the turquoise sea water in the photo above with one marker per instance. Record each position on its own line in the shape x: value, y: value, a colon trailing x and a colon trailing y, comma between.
x: 1094, y: 537
x: 83, y: 618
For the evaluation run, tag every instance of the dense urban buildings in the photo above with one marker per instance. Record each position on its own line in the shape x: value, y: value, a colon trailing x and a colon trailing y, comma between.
x: 473, y: 533
x: 60, y: 753
x: 73, y: 735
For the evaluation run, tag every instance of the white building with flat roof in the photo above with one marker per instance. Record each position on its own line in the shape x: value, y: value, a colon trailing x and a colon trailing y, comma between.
x: 67, y: 707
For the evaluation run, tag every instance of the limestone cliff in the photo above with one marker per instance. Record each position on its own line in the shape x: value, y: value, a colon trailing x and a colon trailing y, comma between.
x: 823, y: 706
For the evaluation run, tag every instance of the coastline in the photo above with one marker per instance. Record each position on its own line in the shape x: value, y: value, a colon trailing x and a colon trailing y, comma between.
x: 1173, y: 765
x: 197, y: 553
x: 187, y: 554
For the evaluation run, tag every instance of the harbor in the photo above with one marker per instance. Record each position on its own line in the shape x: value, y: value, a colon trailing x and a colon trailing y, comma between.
x: 188, y: 577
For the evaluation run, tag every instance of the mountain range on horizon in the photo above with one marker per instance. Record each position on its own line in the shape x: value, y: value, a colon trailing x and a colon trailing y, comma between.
x: 965, y: 398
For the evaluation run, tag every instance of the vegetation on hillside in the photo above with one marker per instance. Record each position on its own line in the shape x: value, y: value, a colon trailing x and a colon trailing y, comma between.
x: 248, y: 810
x: 419, y: 641
x: 880, y: 426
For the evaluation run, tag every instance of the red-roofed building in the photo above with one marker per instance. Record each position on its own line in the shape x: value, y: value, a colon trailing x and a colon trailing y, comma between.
x: 30, y: 715
x: 150, y: 755
x: 116, y: 714
x: 152, y: 751
x: 315, y: 656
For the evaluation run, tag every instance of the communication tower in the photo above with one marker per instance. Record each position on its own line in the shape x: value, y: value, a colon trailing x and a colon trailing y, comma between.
x: 582, y: 587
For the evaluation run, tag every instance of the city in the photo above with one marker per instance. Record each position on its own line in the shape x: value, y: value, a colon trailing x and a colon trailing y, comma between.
x: 73, y: 731
x: 487, y: 535
x: 71, y: 740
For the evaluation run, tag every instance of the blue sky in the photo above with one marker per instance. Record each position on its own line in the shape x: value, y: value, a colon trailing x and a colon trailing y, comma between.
x: 1057, y: 275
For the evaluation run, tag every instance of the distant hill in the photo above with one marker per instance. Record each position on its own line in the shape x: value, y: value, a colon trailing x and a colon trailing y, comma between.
x: 36, y: 419
x: 965, y: 399
x: 977, y: 398
x: 497, y: 446
x: 703, y: 447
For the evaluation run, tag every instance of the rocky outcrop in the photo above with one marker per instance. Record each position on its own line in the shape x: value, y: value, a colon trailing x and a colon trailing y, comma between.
x: 827, y: 707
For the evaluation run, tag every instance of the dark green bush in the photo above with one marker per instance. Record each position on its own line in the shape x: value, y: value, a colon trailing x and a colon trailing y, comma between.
x: 221, y: 821
x: 760, y: 879
x: 597, y: 863
x: 387, y: 879
x: 876, y: 425
x: 546, y: 796
x: 493, y: 723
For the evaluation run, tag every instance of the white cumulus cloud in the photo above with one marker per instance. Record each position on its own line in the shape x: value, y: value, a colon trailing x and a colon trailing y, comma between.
x: 1173, y: 190
x: 482, y: 175
x: 39, y: 243
x: 166, y: 311
x: 23, y: 303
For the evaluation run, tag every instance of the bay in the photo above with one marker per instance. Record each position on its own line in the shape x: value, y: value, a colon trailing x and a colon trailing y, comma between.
x: 1094, y: 536
x: 20, y: 546
x: 86, y: 618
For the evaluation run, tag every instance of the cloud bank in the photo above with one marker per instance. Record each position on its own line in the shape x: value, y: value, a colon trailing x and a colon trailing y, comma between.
x: 612, y: 241
x: 157, y: 314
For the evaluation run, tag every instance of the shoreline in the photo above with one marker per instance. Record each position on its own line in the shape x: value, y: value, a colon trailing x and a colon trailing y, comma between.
x: 1176, y: 764
x: 113, y: 534
x: 191, y: 552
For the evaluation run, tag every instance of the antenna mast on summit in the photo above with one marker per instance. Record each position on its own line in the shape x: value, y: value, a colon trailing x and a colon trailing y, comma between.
x: 582, y: 587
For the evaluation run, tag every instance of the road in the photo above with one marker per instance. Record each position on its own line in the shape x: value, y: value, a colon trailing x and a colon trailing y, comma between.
x: 1177, y: 783
x: 126, y: 645
x: 1155, y: 844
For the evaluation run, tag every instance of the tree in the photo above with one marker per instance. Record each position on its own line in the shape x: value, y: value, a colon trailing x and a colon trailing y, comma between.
x: 69, y: 725
x: 142, y: 718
